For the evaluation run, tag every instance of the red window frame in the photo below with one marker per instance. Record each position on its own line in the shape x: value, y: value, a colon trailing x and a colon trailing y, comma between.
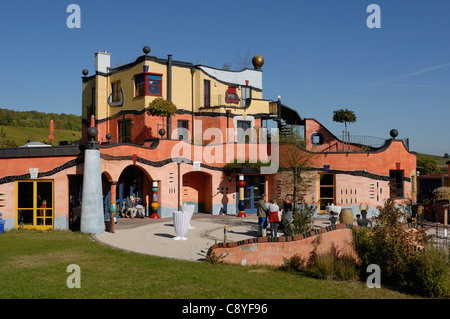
x: 146, y: 85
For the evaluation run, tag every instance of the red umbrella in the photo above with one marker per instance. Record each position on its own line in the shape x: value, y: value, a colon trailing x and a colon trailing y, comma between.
x: 50, y: 137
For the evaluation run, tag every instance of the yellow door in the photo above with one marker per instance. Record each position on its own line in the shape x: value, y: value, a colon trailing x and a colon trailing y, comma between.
x: 34, y: 203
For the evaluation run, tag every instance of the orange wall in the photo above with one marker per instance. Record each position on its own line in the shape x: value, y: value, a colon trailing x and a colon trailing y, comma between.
x: 21, y: 166
x: 259, y: 251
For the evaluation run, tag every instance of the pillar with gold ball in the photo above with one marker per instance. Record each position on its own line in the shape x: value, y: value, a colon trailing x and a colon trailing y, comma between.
x: 241, y: 204
x: 258, y: 62
x: 155, y: 204
x: 92, y: 218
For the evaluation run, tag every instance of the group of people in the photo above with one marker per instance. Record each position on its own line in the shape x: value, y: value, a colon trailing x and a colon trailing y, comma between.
x: 132, y: 208
x: 269, y: 213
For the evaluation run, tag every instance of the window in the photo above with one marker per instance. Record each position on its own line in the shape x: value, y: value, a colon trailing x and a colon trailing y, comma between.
x: 125, y: 131
x: 154, y: 84
x: 246, y: 94
x: 316, y: 139
x: 326, y: 191
x: 183, y: 130
x: 35, y: 204
x: 396, y: 183
x: 115, y: 88
x: 206, y: 93
x: 140, y: 85
x: 243, y: 132
x: 90, y: 110
x: 93, y: 100
x: 148, y: 84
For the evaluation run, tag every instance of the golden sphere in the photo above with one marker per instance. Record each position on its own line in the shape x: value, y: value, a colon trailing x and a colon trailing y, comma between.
x: 258, y: 62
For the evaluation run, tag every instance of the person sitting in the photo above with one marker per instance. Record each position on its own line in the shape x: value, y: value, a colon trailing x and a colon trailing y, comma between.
x: 129, y: 208
x: 140, y: 210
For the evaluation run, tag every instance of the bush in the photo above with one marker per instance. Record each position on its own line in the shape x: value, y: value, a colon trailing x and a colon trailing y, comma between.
x: 161, y: 107
x: 302, y: 221
x: 395, y: 251
x: 215, y: 259
x: 333, y: 265
x: 295, y: 263
x: 390, y: 246
x: 430, y: 273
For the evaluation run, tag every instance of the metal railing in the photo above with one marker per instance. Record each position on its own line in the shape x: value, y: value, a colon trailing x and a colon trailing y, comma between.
x: 220, y: 101
x: 440, y: 237
x: 367, y: 141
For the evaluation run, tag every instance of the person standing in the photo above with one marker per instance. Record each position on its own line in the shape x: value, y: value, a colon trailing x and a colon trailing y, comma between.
x: 287, y: 204
x: 262, y: 216
x: 274, y: 218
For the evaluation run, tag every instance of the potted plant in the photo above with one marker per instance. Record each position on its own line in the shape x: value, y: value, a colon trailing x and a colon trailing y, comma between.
x: 162, y: 108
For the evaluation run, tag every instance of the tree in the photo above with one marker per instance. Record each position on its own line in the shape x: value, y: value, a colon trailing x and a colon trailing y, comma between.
x: 344, y: 116
x: 161, y: 107
x: 295, y: 161
x: 427, y: 166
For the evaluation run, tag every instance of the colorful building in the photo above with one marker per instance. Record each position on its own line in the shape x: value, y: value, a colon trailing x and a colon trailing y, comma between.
x: 360, y: 173
x: 222, y: 117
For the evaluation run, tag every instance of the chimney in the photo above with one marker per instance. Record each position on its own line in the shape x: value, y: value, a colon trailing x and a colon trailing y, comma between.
x: 102, y: 62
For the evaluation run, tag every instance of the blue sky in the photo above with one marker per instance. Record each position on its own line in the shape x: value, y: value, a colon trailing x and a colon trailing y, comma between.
x: 319, y: 55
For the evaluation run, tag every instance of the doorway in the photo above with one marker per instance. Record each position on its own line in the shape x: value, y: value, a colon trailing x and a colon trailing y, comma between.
x: 34, y: 203
x: 255, y: 187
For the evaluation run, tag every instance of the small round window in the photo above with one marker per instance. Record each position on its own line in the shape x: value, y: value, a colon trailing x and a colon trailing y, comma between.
x: 316, y: 138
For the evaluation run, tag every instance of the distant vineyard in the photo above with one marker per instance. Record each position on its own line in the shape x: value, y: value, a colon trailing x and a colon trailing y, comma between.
x: 39, y: 119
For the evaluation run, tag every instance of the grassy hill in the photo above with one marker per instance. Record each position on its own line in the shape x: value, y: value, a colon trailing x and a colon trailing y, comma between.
x: 439, y: 160
x: 20, y: 127
x: 18, y: 136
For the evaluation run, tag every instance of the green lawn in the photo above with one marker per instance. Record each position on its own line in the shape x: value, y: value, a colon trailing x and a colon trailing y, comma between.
x: 33, y: 264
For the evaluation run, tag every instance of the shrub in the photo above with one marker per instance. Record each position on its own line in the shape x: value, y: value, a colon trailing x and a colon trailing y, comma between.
x: 333, y: 265
x: 394, y: 250
x: 302, y: 221
x: 161, y: 107
x: 215, y: 259
x: 295, y: 263
x: 430, y: 273
x: 390, y: 246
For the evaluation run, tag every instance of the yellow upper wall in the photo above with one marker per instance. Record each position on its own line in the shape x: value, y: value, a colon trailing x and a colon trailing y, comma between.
x: 187, y: 89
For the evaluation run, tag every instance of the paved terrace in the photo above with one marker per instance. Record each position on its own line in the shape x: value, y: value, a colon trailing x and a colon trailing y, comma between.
x: 155, y: 236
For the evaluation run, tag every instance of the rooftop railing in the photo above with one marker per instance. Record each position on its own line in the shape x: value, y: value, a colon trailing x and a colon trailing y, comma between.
x: 367, y: 142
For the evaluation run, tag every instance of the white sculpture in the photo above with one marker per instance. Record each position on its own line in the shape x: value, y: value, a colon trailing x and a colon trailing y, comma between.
x: 334, y: 209
x: 180, y: 224
x: 188, y: 209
